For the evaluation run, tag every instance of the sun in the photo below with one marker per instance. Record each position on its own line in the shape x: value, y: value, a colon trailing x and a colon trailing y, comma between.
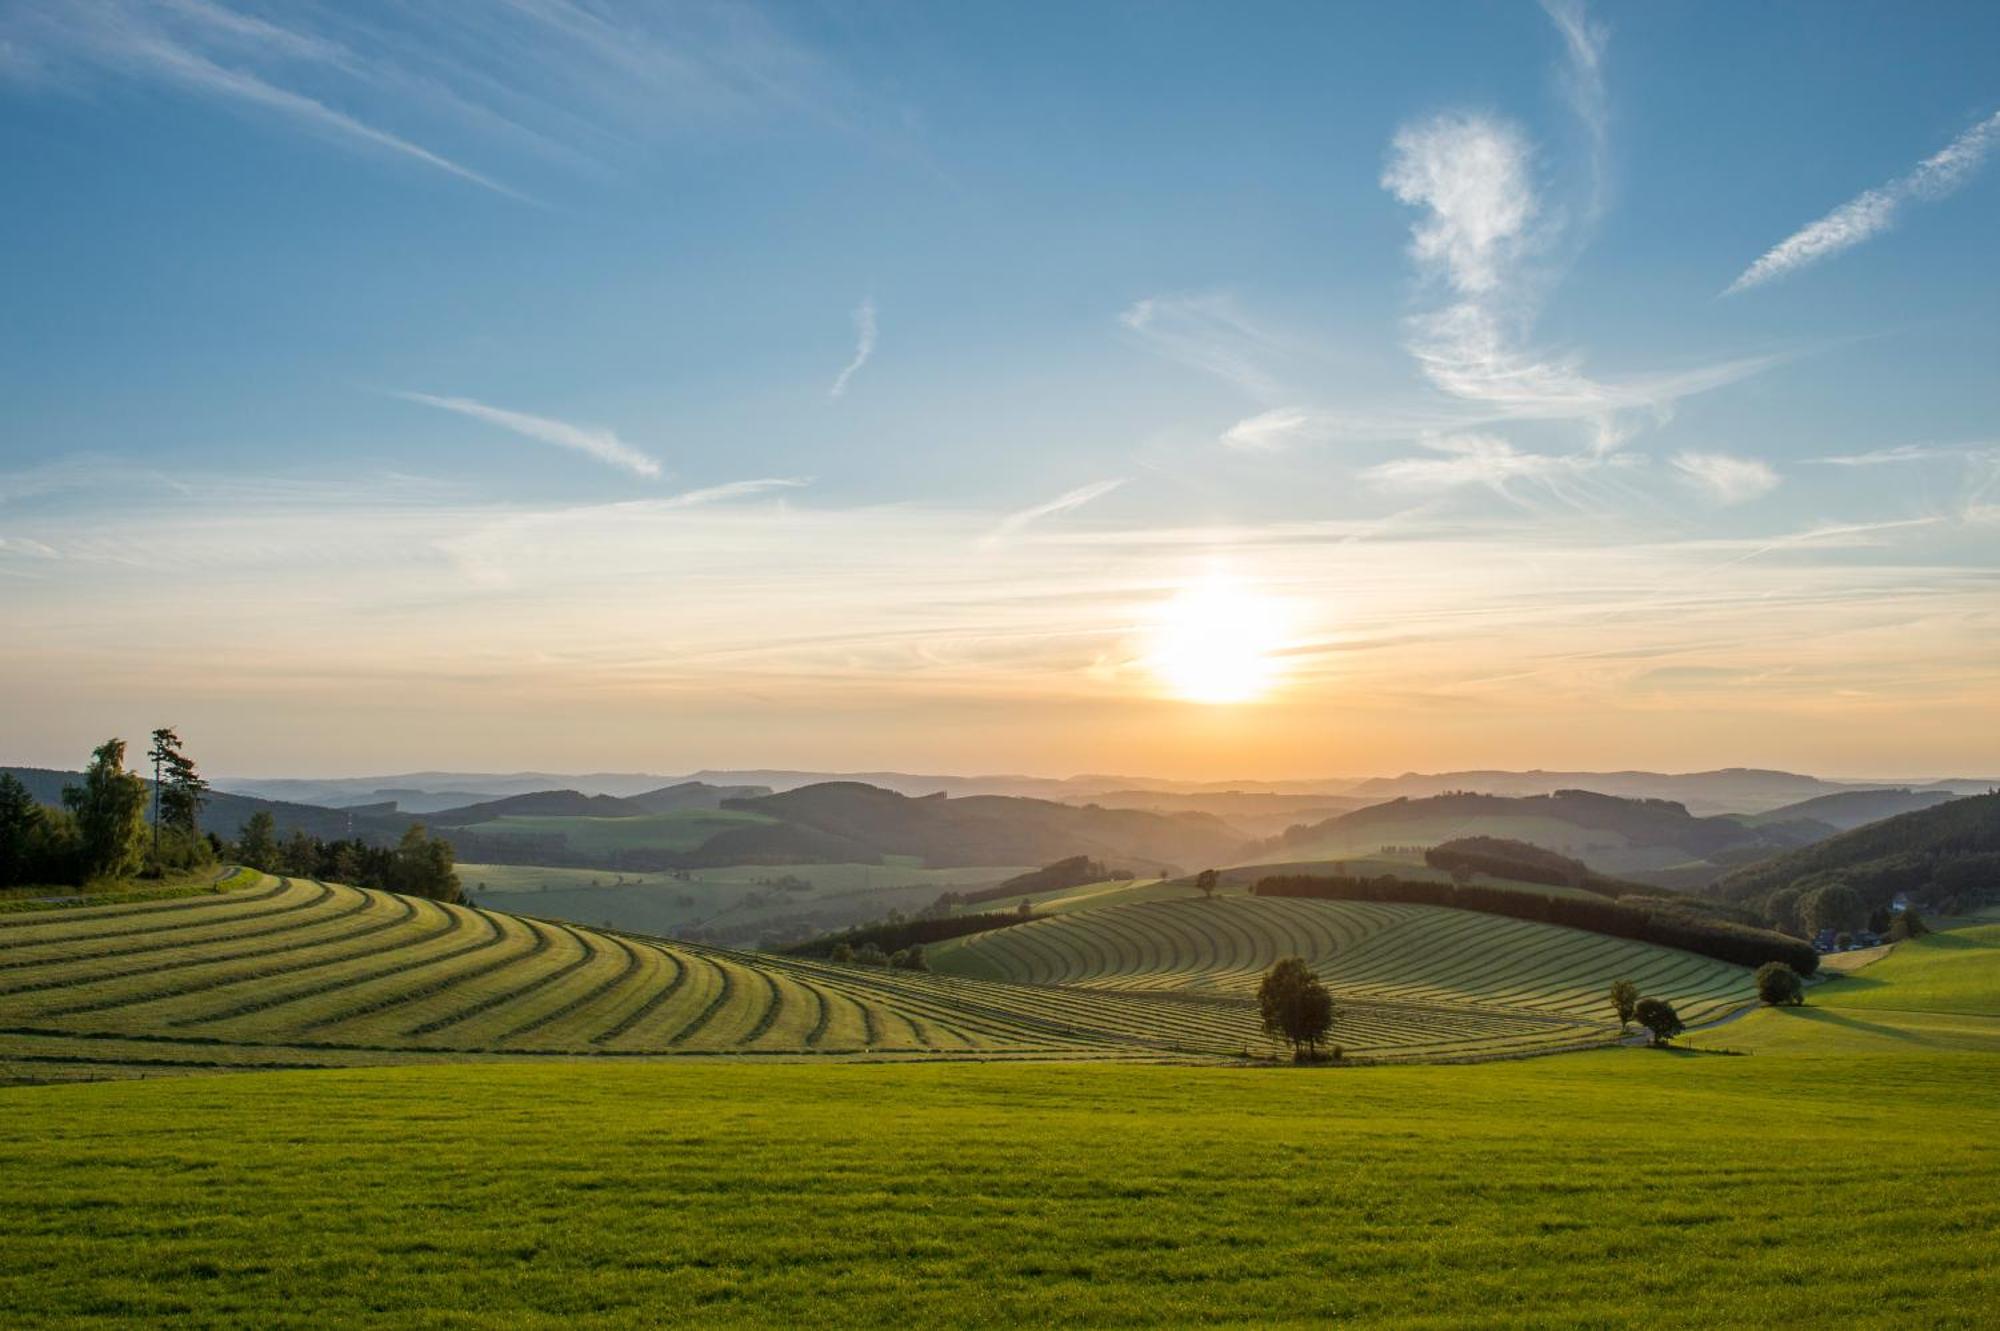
x: 1215, y: 643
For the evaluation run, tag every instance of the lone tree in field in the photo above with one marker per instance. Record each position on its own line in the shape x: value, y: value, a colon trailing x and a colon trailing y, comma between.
x: 1778, y: 985
x: 257, y: 844
x: 1625, y: 1002
x: 1658, y: 1016
x: 1295, y: 1006
x: 1908, y: 925
x: 1206, y: 880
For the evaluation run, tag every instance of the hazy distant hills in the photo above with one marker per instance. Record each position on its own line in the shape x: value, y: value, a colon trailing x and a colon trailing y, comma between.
x: 576, y: 804
x: 1654, y: 840
x: 225, y: 813
x: 1853, y: 808
x: 997, y: 829
x: 1247, y: 802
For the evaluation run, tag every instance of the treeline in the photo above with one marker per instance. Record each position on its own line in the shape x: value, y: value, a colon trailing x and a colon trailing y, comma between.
x: 1523, y: 861
x: 893, y: 938
x: 419, y: 865
x: 1072, y: 872
x: 100, y: 831
x: 1649, y: 924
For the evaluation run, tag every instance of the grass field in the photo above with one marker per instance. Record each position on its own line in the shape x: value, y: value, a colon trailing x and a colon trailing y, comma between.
x: 1622, y: 1188
x: 1939, y: 992
x: 289, y: 972
x: 1406, y: 975
x: 680, y: 829
x: 733, y: 902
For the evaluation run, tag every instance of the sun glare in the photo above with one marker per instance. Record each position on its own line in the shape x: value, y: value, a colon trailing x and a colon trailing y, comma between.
x: 1215, y: 643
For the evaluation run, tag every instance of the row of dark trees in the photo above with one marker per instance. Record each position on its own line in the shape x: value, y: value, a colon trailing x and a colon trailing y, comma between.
x: 100, y: 830
x: 420, y: 865
x: 1711, y: 938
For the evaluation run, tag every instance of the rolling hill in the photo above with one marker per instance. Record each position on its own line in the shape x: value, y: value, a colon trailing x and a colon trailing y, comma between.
x: 1949, y: 850
x: 289, y: 972
x: 1851, y: 808
x: 224, y: 813
x: 1651, y: 840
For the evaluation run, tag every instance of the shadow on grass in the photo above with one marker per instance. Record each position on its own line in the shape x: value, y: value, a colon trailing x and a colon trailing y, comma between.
x: 1829, y: 1017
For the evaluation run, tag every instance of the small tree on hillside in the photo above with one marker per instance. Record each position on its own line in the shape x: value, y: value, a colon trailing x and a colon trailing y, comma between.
x: 20, y: 816
x: 1295, y: 1006
x: 1207, y: 880
x: 1835, y: 906
x: 257, y: 843
x: 1778, y: 985
x: 1908, y: 925
x: 1625, y: 1002
x: 1658, y: 1016
x: 110, y: 810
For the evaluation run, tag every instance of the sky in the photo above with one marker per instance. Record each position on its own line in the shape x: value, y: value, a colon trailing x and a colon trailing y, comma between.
x: 1199, y: 391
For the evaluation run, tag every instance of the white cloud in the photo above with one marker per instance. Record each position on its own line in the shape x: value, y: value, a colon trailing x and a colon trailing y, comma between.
x: 1474, y: 460
x: 185, y: 44
x: 864, y: 345
x: 1275, y: 430
x: 1013, y: 523
x: 1583, y: 81
x: 600, y: 444
x: 1881, y: 457
x: 715, y: 494
x: 1470, y: 173
x: 1208, y: 333
x: 1874, y: 211
x: 1725, y: 478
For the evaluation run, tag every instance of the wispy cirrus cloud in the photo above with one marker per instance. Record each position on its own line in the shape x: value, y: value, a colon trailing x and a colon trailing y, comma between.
x: 1874, y: 211
x: 716, y: 494
x: 601, y: 444
x: 1725, y: 478
x: 1883, y: 457
x: 1208, y: 332
x: 864, y: 345
x: 1014, y: 523
x: 211, y: 51
x: 579, y: 85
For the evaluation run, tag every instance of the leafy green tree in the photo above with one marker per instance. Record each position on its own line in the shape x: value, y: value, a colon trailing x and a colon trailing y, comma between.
x: 1908, y: 925
x: 1658, y: 1016
x: 1835, y: 906
x: 1781, y: 908
x: 1207, y: 880
x: 1778, y: 985
x: 300, y: 855
x: 424, y: 866
x: 1295, y: 1006
x: 870, y: 954
x: 110, y: 812
x: 257, y: 845
x: 20, y: 819
x: 1625, y: 1002
x: 842, y: 954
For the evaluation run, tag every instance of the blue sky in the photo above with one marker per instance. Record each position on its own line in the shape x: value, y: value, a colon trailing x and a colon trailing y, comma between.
x: 1576, y: 385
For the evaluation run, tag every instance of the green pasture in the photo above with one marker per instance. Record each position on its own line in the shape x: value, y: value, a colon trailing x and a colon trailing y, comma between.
x: 1622, y: 1188
x: 680, y: 829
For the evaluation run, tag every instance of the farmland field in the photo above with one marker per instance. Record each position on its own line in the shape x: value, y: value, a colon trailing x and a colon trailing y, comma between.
x: 680, y: 829
x: 289, y: 971
x: 732, y: 903
x: 1620, y: 1188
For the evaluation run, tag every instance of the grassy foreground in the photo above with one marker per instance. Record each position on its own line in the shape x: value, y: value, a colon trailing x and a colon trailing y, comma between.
x: 1626, y: 1187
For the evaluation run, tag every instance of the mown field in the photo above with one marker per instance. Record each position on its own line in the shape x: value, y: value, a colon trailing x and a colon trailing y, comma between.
x: 287, y: 972
x: 1621, y: 1188
x: 1406, y: 978
x: 733, y: 900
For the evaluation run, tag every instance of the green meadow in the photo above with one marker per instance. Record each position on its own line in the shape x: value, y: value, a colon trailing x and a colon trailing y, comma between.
x: 1627, y: 1188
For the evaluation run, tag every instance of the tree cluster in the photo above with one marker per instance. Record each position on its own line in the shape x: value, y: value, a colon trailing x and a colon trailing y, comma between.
x: 890, y: 938
x: 99, y: 832
x: 870, y: 954
x: 419, y: 865
x: 1720, y: 939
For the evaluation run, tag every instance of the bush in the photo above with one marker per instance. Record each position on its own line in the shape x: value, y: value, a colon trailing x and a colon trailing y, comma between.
x: 1778, y: 985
